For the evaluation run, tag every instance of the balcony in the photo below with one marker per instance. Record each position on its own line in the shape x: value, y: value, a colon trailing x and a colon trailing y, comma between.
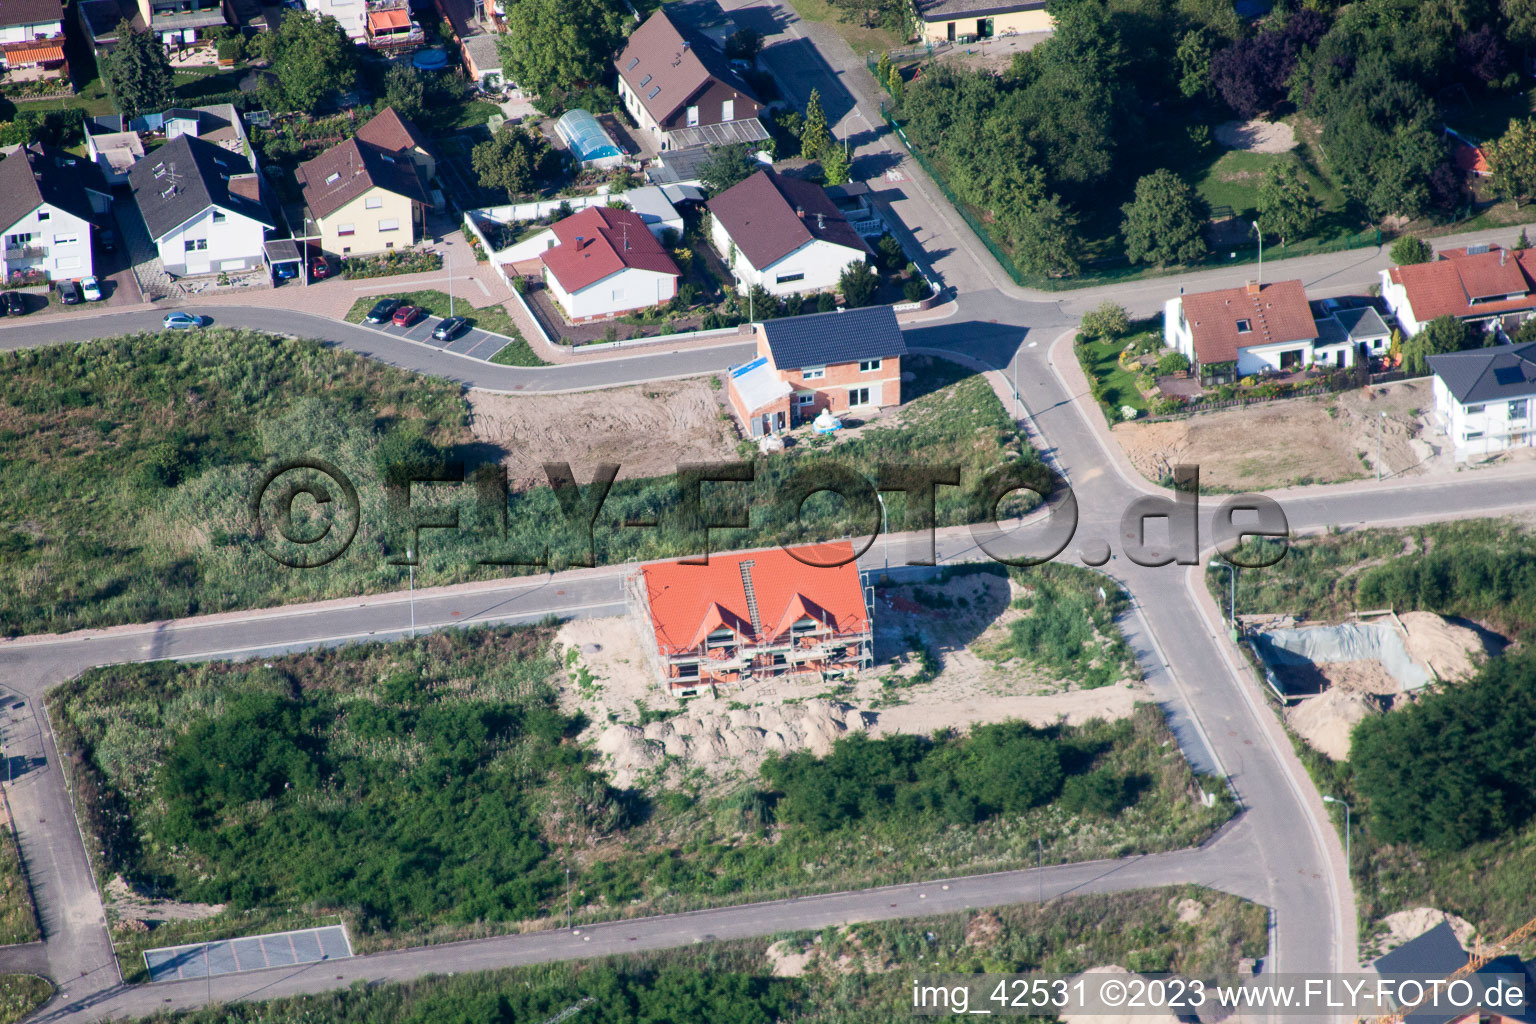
x: 25, y: 252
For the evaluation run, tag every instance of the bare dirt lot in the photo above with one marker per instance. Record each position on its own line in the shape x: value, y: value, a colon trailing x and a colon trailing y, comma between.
x: 1326, y: 439
x: 647, y: 429
x: 1257, y: 136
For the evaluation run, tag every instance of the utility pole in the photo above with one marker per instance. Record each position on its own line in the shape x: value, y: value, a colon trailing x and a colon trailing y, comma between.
x: 1260, y: 233
x: 567, y: 897
x: 410, y: 557
x: 1016, y: 386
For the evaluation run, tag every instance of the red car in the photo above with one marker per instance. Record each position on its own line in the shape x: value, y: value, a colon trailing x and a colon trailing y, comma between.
x: 320, y: 269
x: 406, y: 315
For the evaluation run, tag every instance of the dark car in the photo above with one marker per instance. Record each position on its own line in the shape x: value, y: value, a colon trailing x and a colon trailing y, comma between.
x: 108, y: 239
x: 382, y: 311
x: 320, y: 269
x: 450, y: 328
x: 69, y: 293
x: 406, y: 315
x: 12, y: 304
x: 285, y: 271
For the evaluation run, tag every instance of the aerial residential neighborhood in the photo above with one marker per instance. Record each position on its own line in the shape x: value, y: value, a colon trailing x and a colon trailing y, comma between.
x: 536, y: 511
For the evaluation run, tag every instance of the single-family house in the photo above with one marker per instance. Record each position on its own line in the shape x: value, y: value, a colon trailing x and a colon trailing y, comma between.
x: 482, y: 60
x: 953, y: 21
x: 1485, y: 397
x: 50, y: 203
x: 1483, y: 995
x: 753, y: 615
x: 116, y: 143
x: 1347, y: 335
x: 607, y: 262
x: 681, y: 90
x: 1485, y: 285
x: 399, y: 136
x: 32, y: 37
x: 839, y: 361
x: 203, y: 207
x: 784, y: 234
x: 363, y: 199
x: 1255, y: 327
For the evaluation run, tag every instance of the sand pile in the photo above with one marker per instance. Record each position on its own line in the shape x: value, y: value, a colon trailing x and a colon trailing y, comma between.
x: 1410, y: 924
x: 733, y: 740
x: 1453, y: 652
x: 1325, y: 721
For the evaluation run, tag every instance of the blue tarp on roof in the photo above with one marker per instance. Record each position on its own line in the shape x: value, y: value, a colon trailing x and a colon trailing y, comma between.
x: 586, y: 137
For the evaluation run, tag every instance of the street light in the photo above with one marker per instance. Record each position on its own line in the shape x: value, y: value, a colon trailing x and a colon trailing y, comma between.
x: 410, y: 559
x: 1260, y: 233
x: 1336, y: 800
x: 1232, y: 601
x: 885, y: 534
x: 1381, y: 419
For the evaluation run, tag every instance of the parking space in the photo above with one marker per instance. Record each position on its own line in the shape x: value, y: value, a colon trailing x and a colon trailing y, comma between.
x: 233, y: 956
x: 475, y: 343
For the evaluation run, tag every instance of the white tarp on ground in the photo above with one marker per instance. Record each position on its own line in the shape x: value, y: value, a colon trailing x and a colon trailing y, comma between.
x: 1353, y: 641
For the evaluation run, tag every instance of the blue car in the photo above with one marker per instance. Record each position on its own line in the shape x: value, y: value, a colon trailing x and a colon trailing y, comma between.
x: 182, y: 321
x: 285, y: 271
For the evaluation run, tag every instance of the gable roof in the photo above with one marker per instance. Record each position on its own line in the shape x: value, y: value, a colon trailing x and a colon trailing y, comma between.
x: 389, y: 131
x: 825, y: 339
x: 685, y: 599
x: 1362, y: 322
x: 1276, y: 313
x: 1450, y: 284
x: 769, y: 216
x: 348, y: 169
x: 38, y: 174
x: 673, y: 65
x: 1488, y: 374
x: 599, y: 242
x: 30, y: 12
x: 1438, y: 953
x: 186, y: 176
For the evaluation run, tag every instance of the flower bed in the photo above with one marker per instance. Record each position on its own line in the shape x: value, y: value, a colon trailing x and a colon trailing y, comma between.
x: 388, y: 264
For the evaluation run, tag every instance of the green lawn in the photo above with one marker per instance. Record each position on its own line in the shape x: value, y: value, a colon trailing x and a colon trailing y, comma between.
x: 18, y: 920
x: 860, y: 39
x: 1100, y: 361
x: 495, y: 319
x: 20, y: 994
x: 192, y: 84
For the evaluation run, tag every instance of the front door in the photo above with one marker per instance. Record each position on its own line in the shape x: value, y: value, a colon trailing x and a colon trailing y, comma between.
x: 951, y: 31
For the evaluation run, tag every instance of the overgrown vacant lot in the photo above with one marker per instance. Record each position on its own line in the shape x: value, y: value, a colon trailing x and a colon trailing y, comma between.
x: 1442, y: 790
x: 127, y: 468
x: 862, y: 973
x: 430, y: 789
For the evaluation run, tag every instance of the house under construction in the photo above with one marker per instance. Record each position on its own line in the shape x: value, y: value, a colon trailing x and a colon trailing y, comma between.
x: 752, y: 615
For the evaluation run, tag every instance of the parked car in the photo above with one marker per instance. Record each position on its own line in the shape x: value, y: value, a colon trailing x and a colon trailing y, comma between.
x: 69, y: 293
x: 320, y: 269
x: 183, y: 321
x: 450, y: 328
x: 12, y: 304
x: 91, y: 289
x: 382, y: 311
x: 285, y: 271
x: 108, y: 239
x: 406, y: 315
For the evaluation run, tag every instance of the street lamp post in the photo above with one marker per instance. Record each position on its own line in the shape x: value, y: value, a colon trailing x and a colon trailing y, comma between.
x: 1381, y: 418
x: 885, y: 533
x: 1040, y: 866
x: 1232, y: 600
x: 1336, y: 800
x: 450, y: 281
x: 410, y: 558
x: 1260, y: 233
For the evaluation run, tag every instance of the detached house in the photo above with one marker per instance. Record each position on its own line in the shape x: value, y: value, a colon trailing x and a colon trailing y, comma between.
x: 784, y: 234
x: 753, y: 615
x: 681, y: 90
x: 1485, y: 398
x: 365, y: 197
x: 1482, y: 995
x: 203, y: 206
x: 50, y: 202
x: 805, y: 364
x: 1254, y: 328
x: 32, y: 37
x: 1482, y: 284
x: 951, y: 21
x: 607, y: 262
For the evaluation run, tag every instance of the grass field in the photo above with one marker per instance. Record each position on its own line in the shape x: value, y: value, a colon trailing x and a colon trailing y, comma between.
x: 492, y: 318
x: 20, y: 994
x: 18, y: 919
x: 860, y: 40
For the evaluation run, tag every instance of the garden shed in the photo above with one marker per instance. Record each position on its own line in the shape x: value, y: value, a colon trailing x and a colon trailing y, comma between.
x: 588, y: 140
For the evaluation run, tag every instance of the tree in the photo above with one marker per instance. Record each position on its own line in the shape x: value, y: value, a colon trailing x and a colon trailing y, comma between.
x: 858, y: 283
x: 1163, y: 224
x: 138, y: 73
x: 313, y: 59
x: 1285, y: 204
x: 1250, y: 74
x: 744, y: 44
x: 835, y: 165
x: 1193, y: 58
x: 560, y: 44
x: 883, y: 68
x: 1512, y: 161
x: 405, y: 92
x: 511, y: 159
x: 727, y: 165
x: 1523, y: 242
x: 1442, y: 334
x: 1046, y: 240
x: 814, y: 135
x: 1106, y: 320
x: 1483, y: 56
x: 1409, y: 249
x: 895, y: 85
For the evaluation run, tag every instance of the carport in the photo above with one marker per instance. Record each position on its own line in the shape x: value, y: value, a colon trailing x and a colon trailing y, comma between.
x: 284, y: 252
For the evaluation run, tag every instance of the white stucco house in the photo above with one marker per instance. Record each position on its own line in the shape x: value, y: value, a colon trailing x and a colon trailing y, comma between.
x: 203, y: 207
x: 607, y: 262
x: 50, y: 203
x: 784, y: 234
x: 1257, y: 327
x: 1485, y: 285
x: 1485, y: 398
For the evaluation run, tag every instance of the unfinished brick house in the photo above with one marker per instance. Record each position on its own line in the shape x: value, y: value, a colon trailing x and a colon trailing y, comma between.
x: 753, y: 615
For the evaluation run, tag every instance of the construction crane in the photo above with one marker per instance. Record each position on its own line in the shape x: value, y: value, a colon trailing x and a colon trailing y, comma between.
x: 1482, y: 954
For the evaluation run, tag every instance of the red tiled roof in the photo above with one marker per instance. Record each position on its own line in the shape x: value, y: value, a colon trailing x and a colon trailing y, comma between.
x: 599, y: 242
x: 1470, y: 158
x: 389, y: 131
x: 1446, y: 286
x: 1276, y: 313
x: 689, y: 601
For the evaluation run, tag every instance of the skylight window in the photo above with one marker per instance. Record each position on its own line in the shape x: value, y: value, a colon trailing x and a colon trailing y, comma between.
x: 645, y: 81
x: 333, y: 177
x: 632, y: 62
x: 1244, y: 327
x: 653, y: 93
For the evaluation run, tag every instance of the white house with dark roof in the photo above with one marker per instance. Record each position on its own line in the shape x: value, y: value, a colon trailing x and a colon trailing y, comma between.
x: 50, y: 202
x: 1485, y: 398
x: 784, y: 234
x: 203, y: 207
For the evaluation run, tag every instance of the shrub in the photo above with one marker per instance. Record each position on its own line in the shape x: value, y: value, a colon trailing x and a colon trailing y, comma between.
x: 1409, y: 249
x: 915, y: 290
x: 1173, y: 362
x: 1106, y: 321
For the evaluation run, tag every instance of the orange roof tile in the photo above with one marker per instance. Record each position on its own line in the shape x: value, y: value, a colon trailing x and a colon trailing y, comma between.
x: 1448, y: 285
x: 689, y: 601
x: 1276, y: 313
x: 393, y: 19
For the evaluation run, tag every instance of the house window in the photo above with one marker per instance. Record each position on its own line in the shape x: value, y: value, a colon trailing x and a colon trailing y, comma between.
x: 373, y: 202
x: 858, y: 396
x: 219, y: 217
x: 1475, y: 410
x: 65, y: 239
x: 1517, y: 409
x: 693, y: 116
x: 689, y: 670
x: 1472, y: 435
x: 868, y: 365
x: 1244, y: 327
x: 389, y: 245
x: 728, y: 110
x: 389, y: 224
x: 346, y: 229
x: 655, y: 91
x: 805, y: 398
x: 631, y: 65
x: 346, y: 249
x: 645, y: 81
x: 333, y: 177
x: 43, y: 215
x: 789, y: 278
x: 813, y: 373
x: 196, y: 244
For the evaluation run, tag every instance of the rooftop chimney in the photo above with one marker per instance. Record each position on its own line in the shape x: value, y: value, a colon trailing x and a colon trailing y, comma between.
x: 800, y: 212
x: 1253, y: 287
x: 1503, y: 254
